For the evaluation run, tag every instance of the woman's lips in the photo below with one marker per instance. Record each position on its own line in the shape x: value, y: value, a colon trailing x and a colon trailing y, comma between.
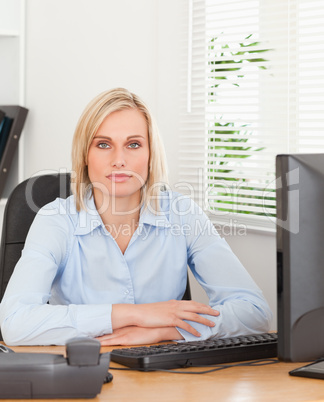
x: 119, y: 177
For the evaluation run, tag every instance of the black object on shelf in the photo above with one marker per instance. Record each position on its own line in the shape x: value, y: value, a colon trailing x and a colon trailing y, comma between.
x: 2, y: 116
x: 11, y: 127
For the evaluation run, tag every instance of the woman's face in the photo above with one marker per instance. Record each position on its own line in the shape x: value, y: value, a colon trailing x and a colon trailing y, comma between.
x: 118, y: 157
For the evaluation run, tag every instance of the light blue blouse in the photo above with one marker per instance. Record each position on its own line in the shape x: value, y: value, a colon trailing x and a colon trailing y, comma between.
x: 72, y: 271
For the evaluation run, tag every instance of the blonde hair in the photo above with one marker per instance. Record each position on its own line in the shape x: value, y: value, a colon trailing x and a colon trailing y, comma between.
x: 91, y: 119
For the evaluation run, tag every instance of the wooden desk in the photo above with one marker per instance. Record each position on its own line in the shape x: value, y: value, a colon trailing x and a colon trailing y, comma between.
x: 261, y: 384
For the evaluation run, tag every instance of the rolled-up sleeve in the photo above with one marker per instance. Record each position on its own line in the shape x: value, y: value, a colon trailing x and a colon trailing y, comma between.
x: 26, y: 316
x: 230, y: 289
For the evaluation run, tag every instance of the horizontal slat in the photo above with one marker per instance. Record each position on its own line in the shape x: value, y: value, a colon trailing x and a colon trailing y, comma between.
x: 237, y: 172
x: 238, y: 191
x: 260, y: 160
x: 244, y: 143
x: 254, y: 140
x: 190, y: 155
x: 199, y: 158
x: 239, y: 207
x: 241, y: 202
x: 237, y: 46
x: 247, y: 153
x: 200, y: 139
x: 237, y: 175
x: 217, y: 62
x: 195, y: 178
x: 231, y: 173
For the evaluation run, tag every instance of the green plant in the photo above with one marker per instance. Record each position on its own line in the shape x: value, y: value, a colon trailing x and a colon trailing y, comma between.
x: 222, y: 141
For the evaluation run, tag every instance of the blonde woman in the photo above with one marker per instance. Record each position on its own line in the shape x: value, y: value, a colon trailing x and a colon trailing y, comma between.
x: 110, y: 261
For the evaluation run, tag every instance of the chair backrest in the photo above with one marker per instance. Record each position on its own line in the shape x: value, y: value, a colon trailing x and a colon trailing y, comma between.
x: 21, y: 208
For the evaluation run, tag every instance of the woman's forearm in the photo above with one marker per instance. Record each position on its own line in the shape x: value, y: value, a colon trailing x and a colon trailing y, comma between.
x: 172, y: 313
x: 139, y: 336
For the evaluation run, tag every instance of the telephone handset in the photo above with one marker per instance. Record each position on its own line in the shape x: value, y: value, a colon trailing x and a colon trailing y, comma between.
x: 80, y: 374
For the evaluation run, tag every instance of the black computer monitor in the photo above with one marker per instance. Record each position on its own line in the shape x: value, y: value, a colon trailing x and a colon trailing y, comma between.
x: 300, y: 256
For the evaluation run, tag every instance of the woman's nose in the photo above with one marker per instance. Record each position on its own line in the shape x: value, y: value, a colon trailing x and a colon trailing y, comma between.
x: 118, y: 160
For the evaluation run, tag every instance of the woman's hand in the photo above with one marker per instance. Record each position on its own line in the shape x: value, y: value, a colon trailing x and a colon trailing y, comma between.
x: 171, y: 313
x: 139, y: 336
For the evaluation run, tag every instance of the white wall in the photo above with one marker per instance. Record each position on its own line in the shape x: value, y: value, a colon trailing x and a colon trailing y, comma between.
x: 75, y: 50
x: 257, y: 252
x: 78, y: 48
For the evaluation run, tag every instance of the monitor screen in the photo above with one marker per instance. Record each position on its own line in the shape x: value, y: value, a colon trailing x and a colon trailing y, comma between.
x: 300, y: 256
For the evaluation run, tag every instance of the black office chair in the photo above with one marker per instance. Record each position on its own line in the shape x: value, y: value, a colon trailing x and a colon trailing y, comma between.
x: 22, y: 206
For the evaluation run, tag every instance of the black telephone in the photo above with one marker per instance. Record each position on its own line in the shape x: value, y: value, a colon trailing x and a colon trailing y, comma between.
x: 80, y: 374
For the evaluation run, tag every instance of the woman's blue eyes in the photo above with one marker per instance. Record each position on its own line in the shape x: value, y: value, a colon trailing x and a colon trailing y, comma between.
x: 103, y: 145
x: 133, y: 145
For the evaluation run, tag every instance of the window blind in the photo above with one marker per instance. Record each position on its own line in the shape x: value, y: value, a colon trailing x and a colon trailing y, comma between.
x: 253, y: 85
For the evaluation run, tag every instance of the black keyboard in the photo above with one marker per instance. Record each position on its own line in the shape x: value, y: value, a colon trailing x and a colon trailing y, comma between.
x: 198, y: 353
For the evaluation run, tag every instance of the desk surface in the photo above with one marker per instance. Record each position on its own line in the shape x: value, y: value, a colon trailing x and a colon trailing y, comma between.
x: 266, y: 383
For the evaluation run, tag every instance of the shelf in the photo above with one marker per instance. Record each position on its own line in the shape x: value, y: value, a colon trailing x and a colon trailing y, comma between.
x: 12, y: 73
x: 9, y: 34
x: 12, y: 82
